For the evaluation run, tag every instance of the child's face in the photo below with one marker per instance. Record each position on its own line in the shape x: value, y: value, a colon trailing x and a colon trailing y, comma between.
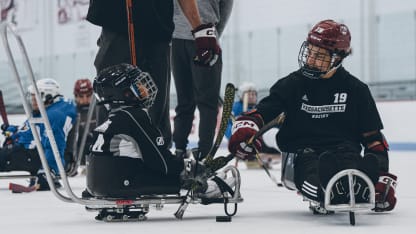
x: 83, y: 99
x: 251, y: 97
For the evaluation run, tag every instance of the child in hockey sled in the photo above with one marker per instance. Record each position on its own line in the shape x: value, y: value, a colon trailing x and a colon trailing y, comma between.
x: 109, y: 198
x: 19, y: 152
x: 330, y: 116
x: 130, y: 160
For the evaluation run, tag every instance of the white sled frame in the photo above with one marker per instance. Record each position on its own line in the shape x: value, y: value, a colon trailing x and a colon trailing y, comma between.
x: 352, y: 206
x: 92, y: 203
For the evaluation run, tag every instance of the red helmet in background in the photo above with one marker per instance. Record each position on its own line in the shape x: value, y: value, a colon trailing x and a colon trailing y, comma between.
x: 332, y: 36
x: 82, y: 86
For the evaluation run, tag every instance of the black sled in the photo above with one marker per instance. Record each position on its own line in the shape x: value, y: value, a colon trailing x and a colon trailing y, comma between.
x: 135, y: 189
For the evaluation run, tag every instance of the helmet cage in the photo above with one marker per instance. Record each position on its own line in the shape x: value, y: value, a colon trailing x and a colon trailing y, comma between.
x: 316, y: 72
x: 145, y: 89
x: 125, y: 84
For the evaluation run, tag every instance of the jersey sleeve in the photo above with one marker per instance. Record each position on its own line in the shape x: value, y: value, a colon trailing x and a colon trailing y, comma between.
x: 273, y: 104
x: 369, y: 117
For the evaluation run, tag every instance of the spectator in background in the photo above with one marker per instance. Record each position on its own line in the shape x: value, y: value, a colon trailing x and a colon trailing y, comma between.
x: 247, y: 100
x: 153, y: 27
x: 19, y: 152
x: 196, y: 86
x: 83, y: 95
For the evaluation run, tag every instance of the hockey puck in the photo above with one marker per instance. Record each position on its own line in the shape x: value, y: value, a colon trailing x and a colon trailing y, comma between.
x: 223, y: 218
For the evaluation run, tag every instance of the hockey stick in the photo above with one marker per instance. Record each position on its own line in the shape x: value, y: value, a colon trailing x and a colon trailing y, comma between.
x: 209, y: 159
x: 17, y: 188
x: 276, y: 121
x: 130, y: 24
x: 261, y: 163
x: 226, y: 113
x: 3, y: 110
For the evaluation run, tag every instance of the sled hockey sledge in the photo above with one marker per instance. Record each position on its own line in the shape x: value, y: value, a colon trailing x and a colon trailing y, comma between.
x: 328, y: 207
x: 119, y: 194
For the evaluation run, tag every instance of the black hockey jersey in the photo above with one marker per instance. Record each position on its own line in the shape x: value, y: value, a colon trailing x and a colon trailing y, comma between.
x: 321, y: 112
x: 129, y: 132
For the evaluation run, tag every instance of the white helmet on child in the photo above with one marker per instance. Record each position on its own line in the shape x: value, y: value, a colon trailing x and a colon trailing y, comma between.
x: 246, y: 87
x: 48, y: 89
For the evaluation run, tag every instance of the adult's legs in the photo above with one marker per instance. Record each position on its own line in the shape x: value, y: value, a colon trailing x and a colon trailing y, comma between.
x: 152, y: 57
x: 181, y: 68
x: 207, y: 84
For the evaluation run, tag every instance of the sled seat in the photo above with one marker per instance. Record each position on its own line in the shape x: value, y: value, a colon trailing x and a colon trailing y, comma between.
x: 124, y: 177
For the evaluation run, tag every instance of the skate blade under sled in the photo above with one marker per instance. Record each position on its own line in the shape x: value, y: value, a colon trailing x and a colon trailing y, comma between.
x: 134, y: 190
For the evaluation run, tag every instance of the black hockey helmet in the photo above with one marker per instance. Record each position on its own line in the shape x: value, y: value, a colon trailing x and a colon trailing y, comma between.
x: 125, y: 84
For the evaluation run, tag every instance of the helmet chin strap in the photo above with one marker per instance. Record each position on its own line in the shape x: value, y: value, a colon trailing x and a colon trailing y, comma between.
x: 330, y: 72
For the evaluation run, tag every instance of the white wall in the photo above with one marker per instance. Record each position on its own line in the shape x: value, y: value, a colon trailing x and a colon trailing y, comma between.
x: 399, y: 121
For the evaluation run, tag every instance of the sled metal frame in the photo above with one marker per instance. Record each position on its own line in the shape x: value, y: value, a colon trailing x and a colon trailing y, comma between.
x: 351, y: 206
x: 8, y: 175
x: 70, y: 197
x: 78, y: 152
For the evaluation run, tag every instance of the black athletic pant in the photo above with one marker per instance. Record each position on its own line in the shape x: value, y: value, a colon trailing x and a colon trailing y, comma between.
x: 17, y: 158
x: 196, y: 86
x: 152, y: 57
x: 315, y: 167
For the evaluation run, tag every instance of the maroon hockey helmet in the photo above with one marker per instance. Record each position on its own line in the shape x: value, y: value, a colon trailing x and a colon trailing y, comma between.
x: 326, y: 46
x: 332, y: 36
x: 83, y: 86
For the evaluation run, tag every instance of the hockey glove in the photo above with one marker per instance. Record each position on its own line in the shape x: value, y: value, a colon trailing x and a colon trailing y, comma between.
x: 9, y: 132
x: 243, y: 129
x: 385, y: 192
x: 207, y: 47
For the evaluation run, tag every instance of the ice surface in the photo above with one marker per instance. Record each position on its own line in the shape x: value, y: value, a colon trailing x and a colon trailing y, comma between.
x: 266, y: 209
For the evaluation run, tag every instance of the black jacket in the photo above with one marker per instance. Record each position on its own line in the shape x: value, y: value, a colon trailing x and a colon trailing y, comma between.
x: 129, y: 132
x: 153, y: 19
x: 322, y: 112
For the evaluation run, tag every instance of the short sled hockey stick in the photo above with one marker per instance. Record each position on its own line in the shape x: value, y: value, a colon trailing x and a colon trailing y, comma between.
x: 278, y: 120
x: 226, y: 112
x: 17, y: 188
x: 227, y: 107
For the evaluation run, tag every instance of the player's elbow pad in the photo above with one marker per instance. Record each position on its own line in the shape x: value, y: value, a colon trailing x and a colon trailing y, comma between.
x: 380, y: 149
